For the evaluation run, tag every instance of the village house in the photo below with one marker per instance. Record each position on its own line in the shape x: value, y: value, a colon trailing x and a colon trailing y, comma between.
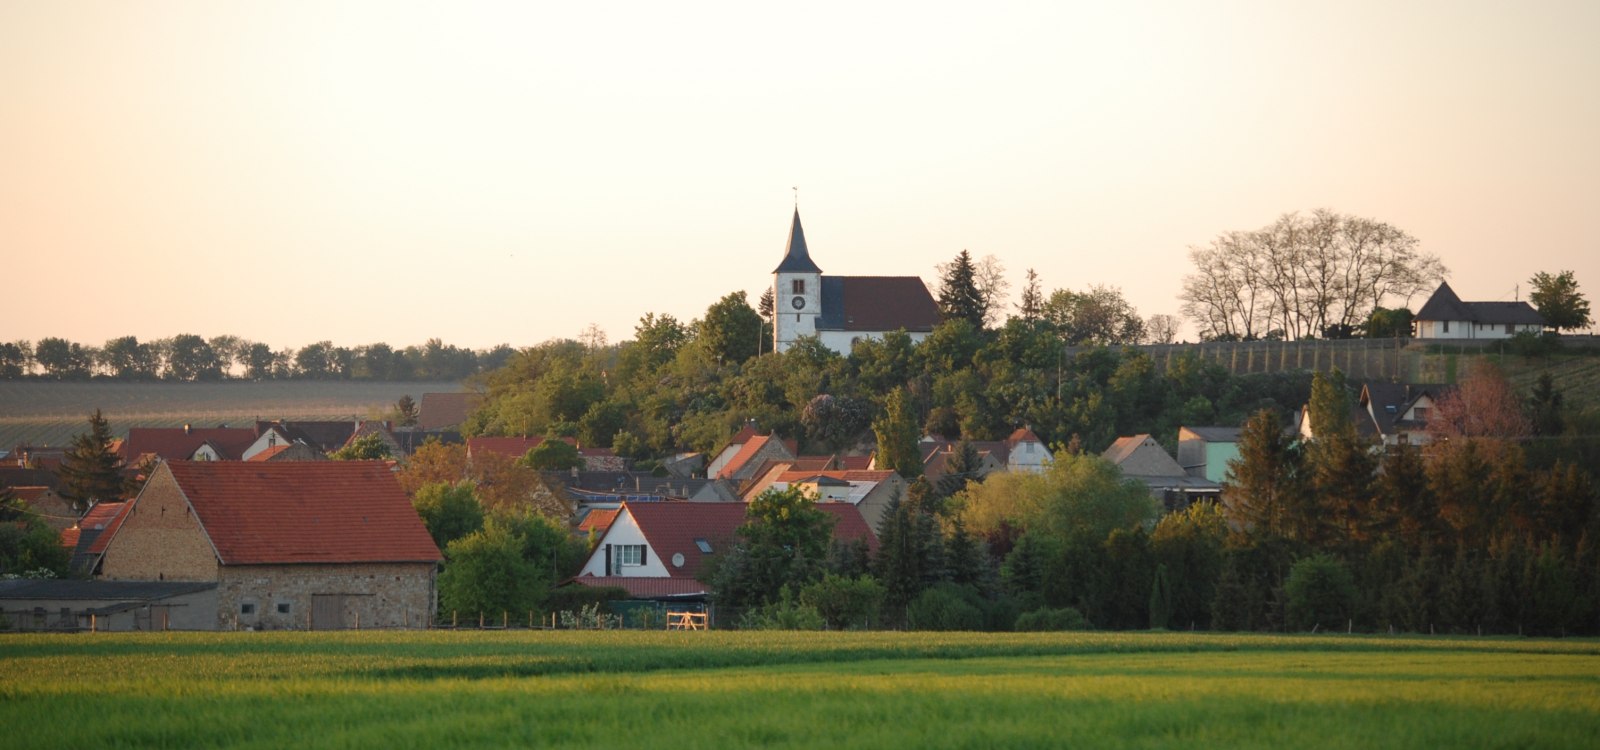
x: 870, y: 491
x: 292, y: 545
x: 1205, y: 451
x: 661, y: 549
x: 1445, y: 316
x: 1141, y: 458
x: 841, y: 310
x: 1389, y: 414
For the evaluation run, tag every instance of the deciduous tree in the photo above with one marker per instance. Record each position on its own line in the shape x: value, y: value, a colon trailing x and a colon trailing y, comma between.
x: 1557, y: 298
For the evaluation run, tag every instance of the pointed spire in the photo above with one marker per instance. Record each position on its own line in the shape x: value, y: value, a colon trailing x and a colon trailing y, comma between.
x: 796, y: 258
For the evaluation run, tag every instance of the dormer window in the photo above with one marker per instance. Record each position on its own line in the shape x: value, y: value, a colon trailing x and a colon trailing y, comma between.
x: 799, y: 286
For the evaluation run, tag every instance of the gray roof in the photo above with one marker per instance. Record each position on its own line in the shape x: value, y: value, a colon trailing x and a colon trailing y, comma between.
x: 877, y: 303
x: 796, y: 258
x: 1445, y: 305
x: 99, y: 590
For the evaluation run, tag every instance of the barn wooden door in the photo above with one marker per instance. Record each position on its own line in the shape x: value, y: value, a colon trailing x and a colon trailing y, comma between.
x: 327, y: 612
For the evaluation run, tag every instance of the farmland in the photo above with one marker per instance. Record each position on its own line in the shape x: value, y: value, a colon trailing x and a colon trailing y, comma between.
x: 50, y: 413
x: 720, y: 689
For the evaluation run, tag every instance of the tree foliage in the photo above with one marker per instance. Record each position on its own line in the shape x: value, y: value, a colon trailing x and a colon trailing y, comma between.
x: 91, y: 472
x: 1557, y: 298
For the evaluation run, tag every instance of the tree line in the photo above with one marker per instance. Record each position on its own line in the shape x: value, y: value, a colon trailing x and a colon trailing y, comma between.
x: 192, y: 358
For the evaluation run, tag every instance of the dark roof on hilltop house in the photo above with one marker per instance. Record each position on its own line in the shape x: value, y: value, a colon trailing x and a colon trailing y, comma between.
x: 443, y: 410
x: 1445, y: 305
x: 1381, y: 405
x: 303, y: 512
x: 673, y: 528
x: 796, y: 257
x: 180, y: 443
x: 877, y: 303
x: 324, y: 435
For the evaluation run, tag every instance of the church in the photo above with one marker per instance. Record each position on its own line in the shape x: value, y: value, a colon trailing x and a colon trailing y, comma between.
x: 841, y: 310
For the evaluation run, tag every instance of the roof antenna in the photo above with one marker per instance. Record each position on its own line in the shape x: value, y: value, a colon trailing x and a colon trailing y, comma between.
x: 796, y: 198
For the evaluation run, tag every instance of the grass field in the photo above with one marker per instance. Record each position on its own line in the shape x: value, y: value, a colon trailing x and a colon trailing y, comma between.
x: 727, y: 689
x: 50, y: 413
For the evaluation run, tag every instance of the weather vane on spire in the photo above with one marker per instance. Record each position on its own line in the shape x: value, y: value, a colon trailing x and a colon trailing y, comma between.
x: 796, y: 190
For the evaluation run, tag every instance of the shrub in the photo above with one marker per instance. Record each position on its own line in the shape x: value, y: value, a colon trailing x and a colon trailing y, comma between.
x: 1321, y: 592
x: 945, y: 606
x: 844, y: 603
x: 784, y: 614
x: 1047, y: 619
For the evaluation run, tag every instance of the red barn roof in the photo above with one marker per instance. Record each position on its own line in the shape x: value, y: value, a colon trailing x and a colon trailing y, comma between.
x: 304, y: 512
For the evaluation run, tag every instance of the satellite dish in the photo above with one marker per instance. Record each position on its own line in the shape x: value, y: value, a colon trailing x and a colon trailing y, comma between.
x: 677, y: 559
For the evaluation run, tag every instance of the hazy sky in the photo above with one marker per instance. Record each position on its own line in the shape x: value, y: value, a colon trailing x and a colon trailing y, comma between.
x: 486, y: 173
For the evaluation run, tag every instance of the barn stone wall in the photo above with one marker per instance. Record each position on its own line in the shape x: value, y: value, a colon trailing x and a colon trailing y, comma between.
x: 369, y: 595
x: 161, y: 539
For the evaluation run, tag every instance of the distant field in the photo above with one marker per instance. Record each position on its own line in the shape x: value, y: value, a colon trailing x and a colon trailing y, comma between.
x: 46, y: 413
x: 723, y: 689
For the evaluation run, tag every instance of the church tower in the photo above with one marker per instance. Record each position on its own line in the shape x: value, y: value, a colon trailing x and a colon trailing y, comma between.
x: 796, y: 291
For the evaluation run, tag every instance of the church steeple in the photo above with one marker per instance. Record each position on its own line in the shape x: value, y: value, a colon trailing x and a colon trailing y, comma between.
x: 796, y: 258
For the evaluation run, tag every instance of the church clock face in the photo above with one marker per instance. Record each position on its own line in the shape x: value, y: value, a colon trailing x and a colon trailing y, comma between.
x: 799, y: 303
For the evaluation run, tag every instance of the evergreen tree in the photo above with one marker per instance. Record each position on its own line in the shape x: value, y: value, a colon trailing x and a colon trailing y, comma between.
x: 406, y: 409
x: 1403, y: 505
x: 1160, y: 599
x: 959, y: 295
x: 90, y: 471
x: 910, y: 548
x: 960, y: 468
x: 1544, y: 407
x: 1339, y: 464
x: 1265, y: 485
x: 1032, y: 306
x: 963, y: 557
x: 896, y: 431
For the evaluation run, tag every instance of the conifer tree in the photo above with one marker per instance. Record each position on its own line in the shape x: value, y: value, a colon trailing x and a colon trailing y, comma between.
x: 1339, y: 464
x: 91, y: 472
x: 896, y: 431
x: 959, y: 295
x: 1265, y: 483
x: 1032, y: 306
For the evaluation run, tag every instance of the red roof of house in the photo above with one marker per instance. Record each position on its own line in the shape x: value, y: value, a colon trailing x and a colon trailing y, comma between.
x: 672, y: 528
x: 69, y: 537
x: 304, y: 512
x: 795, y: 475
x: 441, y: 410
x: 748, y: 451
x: 105, y: 518
x: 514, y: 447
x: 645, y: 588
x: 180, y: 443
x: 598, y: 520
x: 853, y: 463
x: 269, y: 453
x: 1023, y: 434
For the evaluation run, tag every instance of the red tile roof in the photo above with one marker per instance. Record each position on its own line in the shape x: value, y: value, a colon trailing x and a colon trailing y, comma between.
x: 514, y: 447
x: 645, y: 588
x: 853, y: 463
x: 672, y: 528
x: 179, y: 443
x: 598, y: 520
x: 105, y: 518
x: 748, y: 451
x: 69, y: 537
x: 862, y: 475
x: 304, y: 512
x: 441, y: 410
x: 269, y: 453
x: 1022, y: 435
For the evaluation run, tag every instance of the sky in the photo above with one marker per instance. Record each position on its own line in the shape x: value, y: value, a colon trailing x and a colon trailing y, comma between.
x: 487, y: 173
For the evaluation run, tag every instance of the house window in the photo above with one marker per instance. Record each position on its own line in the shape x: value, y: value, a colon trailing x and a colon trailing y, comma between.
x: 799, y: 286
x: 629, y: 554
x: 1446, y: 325
x: 1421, y: 413
x: 283, y: 608
x: 1511, y: 328
x: 704, y: 545
x: 247, y: 608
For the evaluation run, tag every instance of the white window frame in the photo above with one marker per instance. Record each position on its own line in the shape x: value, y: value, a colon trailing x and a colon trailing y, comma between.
x: 628, y: 555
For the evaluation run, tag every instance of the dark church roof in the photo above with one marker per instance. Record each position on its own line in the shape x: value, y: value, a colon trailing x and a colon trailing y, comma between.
x: 877, y: 303
x: 1445, y: 305
x: 796, y: 258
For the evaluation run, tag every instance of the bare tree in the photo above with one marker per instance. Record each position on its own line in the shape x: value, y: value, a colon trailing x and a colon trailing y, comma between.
x: 1303, y: 276
x: 1161, y: 328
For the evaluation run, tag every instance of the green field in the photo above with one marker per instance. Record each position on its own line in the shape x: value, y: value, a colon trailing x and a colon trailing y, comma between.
x: 50, y: 413
x: 730, y: 689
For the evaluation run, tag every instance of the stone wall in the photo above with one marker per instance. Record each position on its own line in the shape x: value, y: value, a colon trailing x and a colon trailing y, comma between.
x: 369, y: 595
x: 160, y: 540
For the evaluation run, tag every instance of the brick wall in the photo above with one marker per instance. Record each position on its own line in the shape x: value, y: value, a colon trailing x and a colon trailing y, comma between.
x: 161, y: 539
x: 370, y: 595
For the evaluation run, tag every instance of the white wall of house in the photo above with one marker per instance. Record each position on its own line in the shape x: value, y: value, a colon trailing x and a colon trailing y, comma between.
x: 843, y: 341
x: 624, y: 531
x: 264, y: 441
x: 1462, y: 329
x: 204, y: 453
x: 1028, y: 456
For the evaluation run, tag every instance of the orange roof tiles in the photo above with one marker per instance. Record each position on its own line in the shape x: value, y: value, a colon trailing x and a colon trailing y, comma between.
x: 673, y: 528
x: 304, y: 512
x: 269, y: 453
x: 598, y: 520
x: 104, y: 518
